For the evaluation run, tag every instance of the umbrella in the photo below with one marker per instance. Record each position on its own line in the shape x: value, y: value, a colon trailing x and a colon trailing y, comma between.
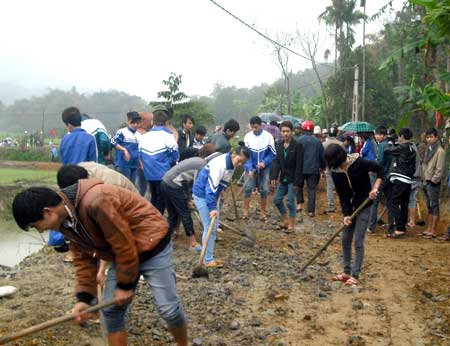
x: 292, y: 119
x: 358, y: 126
x: 268, y: 117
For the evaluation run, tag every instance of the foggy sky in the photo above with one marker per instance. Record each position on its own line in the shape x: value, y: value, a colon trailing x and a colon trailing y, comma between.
x: 133, y: 45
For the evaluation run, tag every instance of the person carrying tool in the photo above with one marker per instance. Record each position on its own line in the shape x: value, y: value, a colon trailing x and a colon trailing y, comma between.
x: 176, y: 186
x: 116, y: 225
x: 262, y: 151
x: 287, y: 166
x: 351, y: 178
x: 210, y: 185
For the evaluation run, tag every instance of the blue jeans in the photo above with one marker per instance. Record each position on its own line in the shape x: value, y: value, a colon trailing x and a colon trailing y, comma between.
x: 203, y: 210
x: 283, y: 190
x: 129, y: 172
x: 160, y: 276
x: 262, y: 184
x: 356, y: 232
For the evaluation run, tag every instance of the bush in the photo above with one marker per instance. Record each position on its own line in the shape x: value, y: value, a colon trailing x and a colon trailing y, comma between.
x: 29, y: 154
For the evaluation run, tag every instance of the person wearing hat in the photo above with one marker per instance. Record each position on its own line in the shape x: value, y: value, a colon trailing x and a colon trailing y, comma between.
x: 313, y: 164
x: 78, y: 145
x: 125, y: 143
x: 318, y: 132
x: 158, y: 152
x: 297, y: 131
x: 330, y: 185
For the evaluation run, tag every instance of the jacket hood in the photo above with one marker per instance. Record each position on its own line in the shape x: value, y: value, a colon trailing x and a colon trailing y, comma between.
x: 84, y: 185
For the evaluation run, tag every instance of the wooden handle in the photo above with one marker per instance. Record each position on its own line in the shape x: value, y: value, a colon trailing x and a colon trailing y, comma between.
x: 324, y: 247
x: 234, y: 202
x: 49, y: 324
x: 205, y: 244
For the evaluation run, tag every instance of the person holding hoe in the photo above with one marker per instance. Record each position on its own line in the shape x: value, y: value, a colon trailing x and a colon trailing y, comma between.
x: 210, y: 185
x: 113, y: 224
x: 351, y: 178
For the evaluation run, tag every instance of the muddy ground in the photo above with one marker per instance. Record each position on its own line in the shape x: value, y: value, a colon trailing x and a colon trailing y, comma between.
x: 260, y: 297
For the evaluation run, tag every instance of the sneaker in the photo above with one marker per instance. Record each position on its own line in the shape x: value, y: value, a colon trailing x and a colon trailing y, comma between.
x: 331, y: 210
x: 371, y: 231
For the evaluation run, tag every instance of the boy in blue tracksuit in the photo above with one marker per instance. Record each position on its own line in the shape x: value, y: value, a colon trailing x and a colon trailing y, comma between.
x: 262, y: 152
x: 212, y: 180
x: 126, y: 143
x: 78, y: 145
x: 158, y: 152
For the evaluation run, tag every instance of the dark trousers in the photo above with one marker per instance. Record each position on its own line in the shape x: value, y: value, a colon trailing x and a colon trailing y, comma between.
x: 157, y: 199
x: 312, y: 180
x: 176, y: 201
x: 400, y: 199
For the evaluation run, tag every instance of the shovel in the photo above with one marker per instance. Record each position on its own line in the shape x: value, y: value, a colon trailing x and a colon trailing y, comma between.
x: 324, y: 247
x: 51, y: 323
x: 200, y: 269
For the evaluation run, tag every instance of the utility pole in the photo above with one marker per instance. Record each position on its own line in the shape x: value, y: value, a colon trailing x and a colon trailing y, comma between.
x: 355, y: 95
x: 363, y: 96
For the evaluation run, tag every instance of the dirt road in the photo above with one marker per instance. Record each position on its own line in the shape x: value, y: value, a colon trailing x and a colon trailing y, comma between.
x: 260, y: 298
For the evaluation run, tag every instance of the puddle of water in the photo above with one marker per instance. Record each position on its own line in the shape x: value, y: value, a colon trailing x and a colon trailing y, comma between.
x: 16, y: 244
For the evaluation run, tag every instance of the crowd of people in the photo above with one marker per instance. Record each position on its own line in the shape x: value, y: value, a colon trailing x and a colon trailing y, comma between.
x: 115, y: 217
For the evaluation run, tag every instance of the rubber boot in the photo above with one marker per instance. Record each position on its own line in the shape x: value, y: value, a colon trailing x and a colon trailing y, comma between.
x: 284, y: 221
x: 246, y: 208
x: 262, y: 212
x: 412, y: 217
x: 291, y: 225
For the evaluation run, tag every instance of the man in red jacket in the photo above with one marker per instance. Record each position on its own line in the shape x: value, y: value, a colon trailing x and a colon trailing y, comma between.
x: 116, y: 225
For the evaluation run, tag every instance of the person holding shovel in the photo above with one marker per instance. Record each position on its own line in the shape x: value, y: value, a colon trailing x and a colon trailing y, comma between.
x: 116, y: 225
x: 287, y: 167
x: 352, y: 182
x: 210, y: 185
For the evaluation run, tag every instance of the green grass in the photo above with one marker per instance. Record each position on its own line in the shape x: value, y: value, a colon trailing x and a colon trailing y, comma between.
x: 30, y: 176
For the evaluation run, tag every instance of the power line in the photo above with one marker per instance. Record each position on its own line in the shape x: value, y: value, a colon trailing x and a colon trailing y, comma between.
x: 265, y: 36
x: 272, y: 40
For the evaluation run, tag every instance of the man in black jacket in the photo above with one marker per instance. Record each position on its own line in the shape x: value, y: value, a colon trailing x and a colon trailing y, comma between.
x: 351, y: 178
x: 185, y: 134
x: 287, y: 166
x: 401, y: 174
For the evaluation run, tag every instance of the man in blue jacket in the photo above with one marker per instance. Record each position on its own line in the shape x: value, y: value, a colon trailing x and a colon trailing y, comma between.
x: 262, y: 152
x: 126, y: 143
x: 78, y: 145
x: 158, y: 152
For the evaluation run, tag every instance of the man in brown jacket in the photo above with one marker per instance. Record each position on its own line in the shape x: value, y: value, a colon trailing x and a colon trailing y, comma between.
x: 433, y: 168
x: 116, y: 225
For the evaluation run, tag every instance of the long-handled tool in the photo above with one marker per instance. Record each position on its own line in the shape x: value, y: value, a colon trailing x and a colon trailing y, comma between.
x: 324, y: 247
x: 380, y: 218
x: 250, y: 238
x: 200, y: 270
x: 51, y: 323
x: 102, y: 319
x: 421, y: 222
x: 234, y: 202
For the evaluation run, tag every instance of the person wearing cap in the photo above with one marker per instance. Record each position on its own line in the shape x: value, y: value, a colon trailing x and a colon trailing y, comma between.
x: 144, y: 126
x: 297, y: 131
x: 125, y: 143
x: 158, y: 152
x: 78, y: 145
x: 262, y: 152
x: 313, y: 164
x: 324, y: 135
x: 318, y: 132
x: 330, y: 184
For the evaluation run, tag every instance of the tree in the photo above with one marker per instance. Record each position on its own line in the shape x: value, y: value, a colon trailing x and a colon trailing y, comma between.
x: 173, y: 94
x: 282, y: 55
